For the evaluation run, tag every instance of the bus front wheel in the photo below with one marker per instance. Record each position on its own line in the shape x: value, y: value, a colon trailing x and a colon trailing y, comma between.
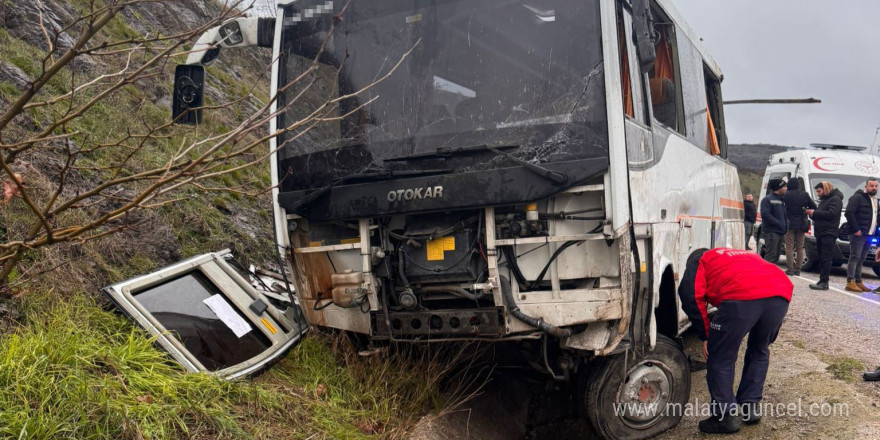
x: 638, y: 397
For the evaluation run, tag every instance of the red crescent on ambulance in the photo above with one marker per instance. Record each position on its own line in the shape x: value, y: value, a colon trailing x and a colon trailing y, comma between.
x: 836, y: 165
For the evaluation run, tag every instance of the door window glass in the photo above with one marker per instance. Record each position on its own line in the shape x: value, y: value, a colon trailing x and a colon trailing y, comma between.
x: 179, y: 306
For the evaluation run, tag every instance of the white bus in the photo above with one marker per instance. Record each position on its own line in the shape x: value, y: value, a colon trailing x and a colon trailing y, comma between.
x: 499, y: 171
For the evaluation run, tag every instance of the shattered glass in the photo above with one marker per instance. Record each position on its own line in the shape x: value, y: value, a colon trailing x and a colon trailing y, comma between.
x: 412, y: 76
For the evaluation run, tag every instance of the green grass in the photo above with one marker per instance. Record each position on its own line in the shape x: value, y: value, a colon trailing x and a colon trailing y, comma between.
x: 750, y: 183
x: 347, y: 396
x: 78, y: 372
x: 20, y: 54
x: 75, y: 371
x: 844, y: 368
x: 8, y: 90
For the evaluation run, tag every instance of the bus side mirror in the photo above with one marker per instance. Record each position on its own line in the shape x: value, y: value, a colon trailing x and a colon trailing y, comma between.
x: 189, y: 94
x: 644, y: 34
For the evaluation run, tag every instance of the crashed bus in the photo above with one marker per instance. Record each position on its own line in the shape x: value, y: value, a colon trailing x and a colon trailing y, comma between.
x: 497, y: 171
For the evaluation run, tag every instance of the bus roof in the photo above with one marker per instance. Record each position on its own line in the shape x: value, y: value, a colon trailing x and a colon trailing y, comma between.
x: 669, y: 8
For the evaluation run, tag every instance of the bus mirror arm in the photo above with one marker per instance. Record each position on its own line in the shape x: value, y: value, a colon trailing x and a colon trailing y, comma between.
x: 644, y: 34
x: 189, y: 79
x: 238, y: 32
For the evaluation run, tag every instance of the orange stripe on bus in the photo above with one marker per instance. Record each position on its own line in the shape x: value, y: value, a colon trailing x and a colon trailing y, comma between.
x: 698, y: 217
x: 737, y: 204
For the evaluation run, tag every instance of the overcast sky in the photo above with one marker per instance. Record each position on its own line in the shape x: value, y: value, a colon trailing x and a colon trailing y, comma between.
x: 826, y: 49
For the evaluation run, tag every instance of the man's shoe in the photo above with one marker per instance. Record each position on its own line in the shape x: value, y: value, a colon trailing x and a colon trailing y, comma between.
x: 792, y: 272
x: 821, y: 285
x: 748, y: 248
x: 872, y: 376
x: 852, y: 287
x: 862, y: 286
x: 725, y: 424
x: 751, y: 413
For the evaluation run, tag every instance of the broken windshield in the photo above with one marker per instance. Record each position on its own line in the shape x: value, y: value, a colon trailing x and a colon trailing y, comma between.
x: 439, y: 75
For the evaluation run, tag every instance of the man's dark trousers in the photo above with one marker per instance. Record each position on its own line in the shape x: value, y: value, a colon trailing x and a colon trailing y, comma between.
x: 760, y: 319
x: 825, y: 246
x: 772, y: 247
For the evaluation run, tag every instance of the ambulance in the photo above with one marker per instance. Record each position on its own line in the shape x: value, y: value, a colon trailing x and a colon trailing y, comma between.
x: 846, y: 167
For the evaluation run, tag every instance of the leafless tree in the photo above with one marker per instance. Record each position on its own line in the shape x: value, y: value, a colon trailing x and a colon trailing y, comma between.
x: 98, y: 183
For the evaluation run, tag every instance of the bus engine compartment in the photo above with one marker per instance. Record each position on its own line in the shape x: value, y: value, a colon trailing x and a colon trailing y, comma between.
x: 507, y: 272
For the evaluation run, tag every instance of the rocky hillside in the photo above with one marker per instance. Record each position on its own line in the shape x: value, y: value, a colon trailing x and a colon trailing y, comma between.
x: 202, y: 220
x: 750, y: 160
x: 753, y: 157
x: 68, y: 368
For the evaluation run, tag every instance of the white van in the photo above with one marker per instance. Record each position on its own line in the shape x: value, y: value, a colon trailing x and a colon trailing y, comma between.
x: 846, y: 167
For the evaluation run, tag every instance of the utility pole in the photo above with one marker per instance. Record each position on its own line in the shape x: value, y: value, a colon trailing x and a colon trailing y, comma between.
x: 775, y: 101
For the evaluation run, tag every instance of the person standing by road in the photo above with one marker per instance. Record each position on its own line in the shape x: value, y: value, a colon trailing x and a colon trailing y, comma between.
x: 752, y: 297
x: 861, y: 218
x: 873, y: 376
x: 774, y: 219
x: 796, y: 202
x: 750, y: 218
x: 826, y: 222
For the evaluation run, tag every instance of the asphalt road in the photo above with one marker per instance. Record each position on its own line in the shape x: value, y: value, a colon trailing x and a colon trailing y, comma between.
x: 837, y: 321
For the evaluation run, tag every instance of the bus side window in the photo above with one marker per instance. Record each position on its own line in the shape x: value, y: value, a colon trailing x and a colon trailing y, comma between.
x: 716, y: 137
x: 631, y: 77
x: 663, y: 78
x: 623, y: 52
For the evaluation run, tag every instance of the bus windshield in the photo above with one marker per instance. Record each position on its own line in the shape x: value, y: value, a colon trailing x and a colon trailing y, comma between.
x: 439, y: 74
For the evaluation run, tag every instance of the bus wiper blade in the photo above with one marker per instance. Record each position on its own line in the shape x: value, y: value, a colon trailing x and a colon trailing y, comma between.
x: 389, y: 174
x: 554, y: 176
x: 444, y: 152
x: 377, y: 175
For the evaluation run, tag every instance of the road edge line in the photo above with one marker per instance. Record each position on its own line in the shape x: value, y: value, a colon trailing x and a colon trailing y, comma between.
x: 841, y: 291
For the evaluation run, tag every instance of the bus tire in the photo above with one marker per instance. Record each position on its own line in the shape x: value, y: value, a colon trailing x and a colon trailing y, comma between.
x: 876, y: 270
x: 660, y: 376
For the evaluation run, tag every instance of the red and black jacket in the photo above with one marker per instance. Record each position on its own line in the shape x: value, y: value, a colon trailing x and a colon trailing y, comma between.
x: 722, y: 274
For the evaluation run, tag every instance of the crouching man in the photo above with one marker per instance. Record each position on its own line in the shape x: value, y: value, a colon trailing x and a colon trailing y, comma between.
x: 752, y: 298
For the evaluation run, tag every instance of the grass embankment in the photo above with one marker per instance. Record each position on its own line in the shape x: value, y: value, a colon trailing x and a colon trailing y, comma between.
x: 76, y: 371
x: 72, y: 370
x: 750, y: 183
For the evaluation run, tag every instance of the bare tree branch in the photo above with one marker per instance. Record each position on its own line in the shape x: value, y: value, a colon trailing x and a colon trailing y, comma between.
x: 99, y: 180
